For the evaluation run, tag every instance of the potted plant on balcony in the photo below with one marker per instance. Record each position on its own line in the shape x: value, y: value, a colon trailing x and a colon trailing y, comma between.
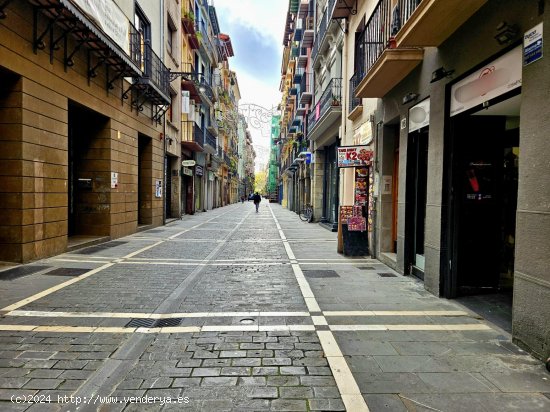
x: 189, y: 15
x: 335, y: 100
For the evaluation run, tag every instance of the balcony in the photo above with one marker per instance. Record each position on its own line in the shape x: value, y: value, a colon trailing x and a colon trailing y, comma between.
x: 298, y: 76
x: 430, y: 22
x: 226, y: 159
x: 155, y: 81
x: 413, y: 24
x: 301, y: 110
x: 302, y: 58
x: 309, y: 32
x: 305, y: 89
x: 303, y: 8
x: 341, y: 9
x: 327, y: 110
x: 209, y: 142
x: 378, y: 66
x: 297, y: 35
x: 205, y: 89
x: 189, y: 82
x: 192, y: 137
x: 355, y: 103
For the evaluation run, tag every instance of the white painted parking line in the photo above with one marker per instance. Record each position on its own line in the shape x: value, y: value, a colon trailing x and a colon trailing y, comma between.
x: 428, y: 327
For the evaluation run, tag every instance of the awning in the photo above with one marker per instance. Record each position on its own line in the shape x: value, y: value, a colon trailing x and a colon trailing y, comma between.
x: 69, y: 14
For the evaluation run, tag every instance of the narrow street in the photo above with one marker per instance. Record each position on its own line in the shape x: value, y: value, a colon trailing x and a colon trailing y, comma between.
x: 233, y: 310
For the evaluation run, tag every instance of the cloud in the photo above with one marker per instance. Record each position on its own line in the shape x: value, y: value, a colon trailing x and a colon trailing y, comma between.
x: 256, y: 28
x: 264, y: 16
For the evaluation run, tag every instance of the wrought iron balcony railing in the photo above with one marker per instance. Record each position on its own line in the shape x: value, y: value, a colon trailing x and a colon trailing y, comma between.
x: 198, y: 135
x: 156, y: 75
x: 382, y: 26
x: 209, y: 139
x: 331, y: 97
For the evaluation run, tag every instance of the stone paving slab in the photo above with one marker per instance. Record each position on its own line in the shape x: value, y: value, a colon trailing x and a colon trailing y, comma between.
x: 120, y: 288
x: 236, y: 370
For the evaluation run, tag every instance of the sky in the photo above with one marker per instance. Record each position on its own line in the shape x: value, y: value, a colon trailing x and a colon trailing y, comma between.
x: 256, y: 28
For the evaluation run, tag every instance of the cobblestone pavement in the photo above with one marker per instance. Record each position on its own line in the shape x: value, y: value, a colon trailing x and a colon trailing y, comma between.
x: 236, y: 311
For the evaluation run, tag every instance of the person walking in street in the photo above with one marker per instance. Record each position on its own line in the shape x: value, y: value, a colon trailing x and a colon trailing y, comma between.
x: 257, y: 200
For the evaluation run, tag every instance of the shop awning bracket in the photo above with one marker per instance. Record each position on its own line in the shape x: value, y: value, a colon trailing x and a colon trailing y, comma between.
x: 140, y: 98
x: 69, y: 62
x: 159, y: 112
x: 38, y: 41
x: 92, y: 69
x: 3, y: 5
x: 54, y: 43
x: 109, y: 82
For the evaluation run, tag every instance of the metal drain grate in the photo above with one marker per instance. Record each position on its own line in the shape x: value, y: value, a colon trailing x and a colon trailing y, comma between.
x: 163, y: 323
x: 94, y: 249
x: 21, y: 271
x: 386, y: 275
x: 366, y: 268
x: 67, y: 272
x: 140, y: 323
x: 153, y: 323
x: 321, y: 274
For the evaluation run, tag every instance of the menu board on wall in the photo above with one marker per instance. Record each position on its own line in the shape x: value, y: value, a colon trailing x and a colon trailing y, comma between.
x: 361, y: 186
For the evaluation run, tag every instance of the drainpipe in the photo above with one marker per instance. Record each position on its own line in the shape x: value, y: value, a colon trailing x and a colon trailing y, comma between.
x: 164, y: 160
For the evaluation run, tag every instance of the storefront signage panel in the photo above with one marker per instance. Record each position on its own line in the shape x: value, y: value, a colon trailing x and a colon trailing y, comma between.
x: 496, y: 78
x: 110, y: 18
x: 354, y: 156
x: 532, y: 45
x: 188, y: 163
x: 419, y: 115
x: 199, y: 171
x: 187, y: 171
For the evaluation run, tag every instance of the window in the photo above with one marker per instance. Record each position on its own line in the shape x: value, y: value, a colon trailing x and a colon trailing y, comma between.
x: 171, y: 38
x: 143, y: 27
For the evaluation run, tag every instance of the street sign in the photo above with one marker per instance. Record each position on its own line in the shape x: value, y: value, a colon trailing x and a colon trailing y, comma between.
x: 532, y: 45
x: 188, y: 163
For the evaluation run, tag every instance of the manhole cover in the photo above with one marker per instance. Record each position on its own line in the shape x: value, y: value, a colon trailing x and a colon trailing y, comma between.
x: 321, y: 274
x: 247, y: 321
x: 21, y: 271
x: 366, y: 268
x: 386, y: 275
x: 67, y: 272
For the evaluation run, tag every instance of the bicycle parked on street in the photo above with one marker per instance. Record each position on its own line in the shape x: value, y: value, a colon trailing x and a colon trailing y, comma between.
x: 306, y: 214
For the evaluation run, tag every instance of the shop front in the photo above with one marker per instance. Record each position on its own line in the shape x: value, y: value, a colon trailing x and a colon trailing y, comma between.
x: 483, y: 152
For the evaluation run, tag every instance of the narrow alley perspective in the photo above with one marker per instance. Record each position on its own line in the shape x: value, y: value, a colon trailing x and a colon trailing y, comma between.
x: 237, y: 310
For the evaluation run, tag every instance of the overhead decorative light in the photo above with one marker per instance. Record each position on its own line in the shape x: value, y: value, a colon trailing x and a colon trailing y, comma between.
x: 506, y: 33
x: 409, y: 97
x: 202, y: 89
x: 440, y: 74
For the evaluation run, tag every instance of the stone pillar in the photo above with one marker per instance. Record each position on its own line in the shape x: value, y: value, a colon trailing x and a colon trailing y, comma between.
x: 318, y: 182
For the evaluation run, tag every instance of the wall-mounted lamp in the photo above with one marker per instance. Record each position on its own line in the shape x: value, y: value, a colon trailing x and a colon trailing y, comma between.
x: 440, y: 74
x: 506, y: 33
x: 409, y: 97
x: 202, y: 89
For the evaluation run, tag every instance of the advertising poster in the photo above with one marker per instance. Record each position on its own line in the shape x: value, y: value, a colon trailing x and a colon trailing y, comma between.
x: 354, y: 156
x: 361, y: 186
